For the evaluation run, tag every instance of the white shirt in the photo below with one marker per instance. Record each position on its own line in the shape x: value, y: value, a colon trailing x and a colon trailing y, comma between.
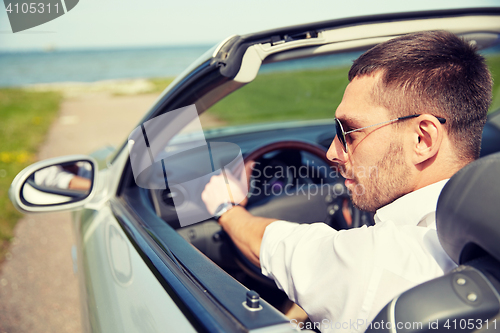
x: 56, y: 176
x: 342, y: 279
x: 53, y: 176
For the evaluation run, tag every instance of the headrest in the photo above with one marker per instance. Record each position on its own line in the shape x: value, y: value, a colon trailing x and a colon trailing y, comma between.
x: 468, y: 211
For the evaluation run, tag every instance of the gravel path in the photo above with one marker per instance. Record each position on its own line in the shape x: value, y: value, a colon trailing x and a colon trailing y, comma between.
x: 38, y: 289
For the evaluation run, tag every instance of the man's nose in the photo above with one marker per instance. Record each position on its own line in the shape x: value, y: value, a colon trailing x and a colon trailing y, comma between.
x: 335, y: 153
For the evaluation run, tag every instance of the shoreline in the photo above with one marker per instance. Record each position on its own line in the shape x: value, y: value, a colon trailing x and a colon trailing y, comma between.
x: 136, y: 86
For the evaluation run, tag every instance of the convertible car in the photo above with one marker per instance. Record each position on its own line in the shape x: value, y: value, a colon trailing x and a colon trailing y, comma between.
x: 260, y: 106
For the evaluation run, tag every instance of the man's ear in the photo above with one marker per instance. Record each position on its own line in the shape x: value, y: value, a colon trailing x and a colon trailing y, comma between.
x: 427, y: 138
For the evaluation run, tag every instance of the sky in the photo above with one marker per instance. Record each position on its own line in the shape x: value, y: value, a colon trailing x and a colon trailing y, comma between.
x: 144, y: 23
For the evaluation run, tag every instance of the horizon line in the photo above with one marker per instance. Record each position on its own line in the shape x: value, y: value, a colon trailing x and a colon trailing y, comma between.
x: 54, y: 48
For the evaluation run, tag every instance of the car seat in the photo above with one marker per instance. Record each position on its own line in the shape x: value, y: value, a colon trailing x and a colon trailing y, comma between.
x: 468, y: 225
x: 490, y: 142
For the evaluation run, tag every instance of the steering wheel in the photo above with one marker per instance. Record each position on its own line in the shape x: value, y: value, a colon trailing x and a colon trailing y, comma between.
x: 328, y: 202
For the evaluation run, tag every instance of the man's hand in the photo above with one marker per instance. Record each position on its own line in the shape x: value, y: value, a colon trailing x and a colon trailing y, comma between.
x: 223, y: 188
x: 79, y: 183
x: 245, y: 230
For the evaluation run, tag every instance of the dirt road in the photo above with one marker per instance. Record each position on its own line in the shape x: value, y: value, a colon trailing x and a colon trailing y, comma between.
x: 38, y: 289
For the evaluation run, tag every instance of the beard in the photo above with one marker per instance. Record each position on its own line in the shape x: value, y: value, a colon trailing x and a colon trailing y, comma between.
x: 383, y: 183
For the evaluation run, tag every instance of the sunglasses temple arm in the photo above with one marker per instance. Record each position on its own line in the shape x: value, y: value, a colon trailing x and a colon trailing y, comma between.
x: 441, y: 120
x: 382, y: 123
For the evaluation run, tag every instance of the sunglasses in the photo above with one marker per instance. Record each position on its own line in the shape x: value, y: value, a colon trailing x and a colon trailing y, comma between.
x: 341, y: 133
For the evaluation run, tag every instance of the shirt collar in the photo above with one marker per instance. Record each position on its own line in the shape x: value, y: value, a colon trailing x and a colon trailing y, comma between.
x: 412, y: 207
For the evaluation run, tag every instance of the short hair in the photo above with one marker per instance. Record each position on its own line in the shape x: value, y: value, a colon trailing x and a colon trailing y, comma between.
x: 437, y: 73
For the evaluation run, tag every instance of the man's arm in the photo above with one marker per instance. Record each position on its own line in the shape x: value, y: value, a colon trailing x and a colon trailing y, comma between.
x: 79, y: 183
x: 245, y: 230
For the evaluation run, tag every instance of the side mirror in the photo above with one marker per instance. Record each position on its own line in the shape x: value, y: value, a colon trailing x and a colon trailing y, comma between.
x: 56, y: 184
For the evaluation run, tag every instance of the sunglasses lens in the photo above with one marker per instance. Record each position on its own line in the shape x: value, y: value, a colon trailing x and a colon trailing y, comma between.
x: 340, y: 134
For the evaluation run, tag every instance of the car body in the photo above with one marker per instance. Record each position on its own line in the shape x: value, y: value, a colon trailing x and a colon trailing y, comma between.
x: 140, y: 268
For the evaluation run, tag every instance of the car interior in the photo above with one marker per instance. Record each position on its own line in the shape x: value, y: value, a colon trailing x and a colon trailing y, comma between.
x: 283, y: 121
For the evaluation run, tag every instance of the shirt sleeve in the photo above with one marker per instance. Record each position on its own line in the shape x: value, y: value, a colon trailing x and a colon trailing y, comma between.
x: 53, y: 176
x: 348, y: 276
x: 323, y: 270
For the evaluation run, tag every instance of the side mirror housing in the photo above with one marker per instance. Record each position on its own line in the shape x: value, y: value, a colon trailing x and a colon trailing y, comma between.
x: 61, y: 183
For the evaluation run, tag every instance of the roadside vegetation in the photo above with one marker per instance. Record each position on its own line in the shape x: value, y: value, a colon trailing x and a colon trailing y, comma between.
x: 160, y: 83
x: 284, y: 96
x: 494, y: 65
x: 25, y: 118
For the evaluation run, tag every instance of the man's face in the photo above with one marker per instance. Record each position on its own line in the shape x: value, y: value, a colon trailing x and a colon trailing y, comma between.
x: 375, y: 167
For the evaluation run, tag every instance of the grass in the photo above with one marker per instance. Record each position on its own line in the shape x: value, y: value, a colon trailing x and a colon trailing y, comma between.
x: 494, y: 65
x: 160, y: 83
x: 25, y: 118
x: 282, y: 96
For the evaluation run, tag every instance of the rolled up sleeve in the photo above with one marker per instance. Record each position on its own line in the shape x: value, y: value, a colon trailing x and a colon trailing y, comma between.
x: 321, y: 269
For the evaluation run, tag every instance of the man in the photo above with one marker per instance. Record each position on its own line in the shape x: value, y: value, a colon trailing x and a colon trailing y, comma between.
x: 413, y: 115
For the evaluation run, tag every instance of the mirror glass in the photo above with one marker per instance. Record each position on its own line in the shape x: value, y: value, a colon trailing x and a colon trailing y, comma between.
x: 59, y: 183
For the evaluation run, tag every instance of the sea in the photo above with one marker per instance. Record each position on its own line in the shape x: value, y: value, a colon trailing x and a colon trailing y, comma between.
x: 32, y: 67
